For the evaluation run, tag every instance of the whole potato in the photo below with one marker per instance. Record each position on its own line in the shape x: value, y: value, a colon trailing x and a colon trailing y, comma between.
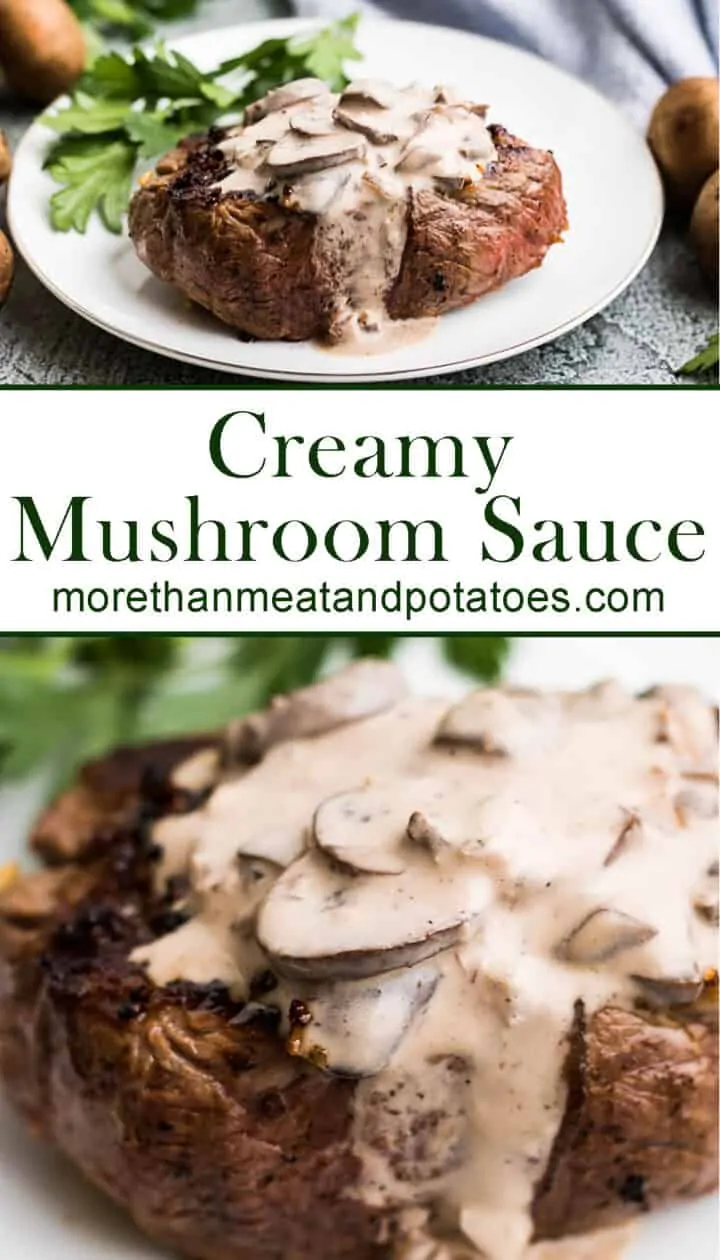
x: 705, y: 227
x: 683, y: 136
x: 7, y: 267
x: 5, y: 158
x: 42, y: 47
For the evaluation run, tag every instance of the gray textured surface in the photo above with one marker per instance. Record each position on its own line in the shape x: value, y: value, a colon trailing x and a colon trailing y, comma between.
x: 640, y: 340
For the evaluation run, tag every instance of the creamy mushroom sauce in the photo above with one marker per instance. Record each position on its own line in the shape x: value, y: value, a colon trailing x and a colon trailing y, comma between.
x: 439, y: 887
x: 353, y: 159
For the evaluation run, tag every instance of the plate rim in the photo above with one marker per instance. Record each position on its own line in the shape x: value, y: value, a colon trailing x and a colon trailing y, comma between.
x: 291, y: 26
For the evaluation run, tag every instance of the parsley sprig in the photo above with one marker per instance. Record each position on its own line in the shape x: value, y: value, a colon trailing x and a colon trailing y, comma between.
x: 704, y: 362
x: 65, y: 700
x: 128, y: 110
x: 134, y: 18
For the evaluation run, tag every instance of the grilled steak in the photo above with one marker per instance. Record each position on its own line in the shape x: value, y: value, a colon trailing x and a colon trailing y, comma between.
x: 272, y: 268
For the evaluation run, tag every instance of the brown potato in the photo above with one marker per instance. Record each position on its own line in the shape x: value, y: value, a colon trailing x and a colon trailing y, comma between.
x: 5, y: 158
x: 683, y: 136
x: 705, y: 227
x: 7, y: 267
x: 42, y: 47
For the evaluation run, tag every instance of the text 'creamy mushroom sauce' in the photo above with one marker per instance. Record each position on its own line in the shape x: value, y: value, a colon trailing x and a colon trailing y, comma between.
x: 353, y: 159
x: 439, y: 887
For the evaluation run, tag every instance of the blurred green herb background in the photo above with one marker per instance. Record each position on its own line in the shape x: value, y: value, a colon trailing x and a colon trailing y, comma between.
x: 66, y: 700
x: 132, y: 18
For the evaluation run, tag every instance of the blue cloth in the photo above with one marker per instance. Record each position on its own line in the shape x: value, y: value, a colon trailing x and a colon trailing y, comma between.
x: 630, y: 49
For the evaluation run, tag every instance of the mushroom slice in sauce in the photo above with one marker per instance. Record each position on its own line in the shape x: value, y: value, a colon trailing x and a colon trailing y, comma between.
x: 360, y: 1025
x: 498, y: 723
x: 361, y: 830
x: 444, y: 95
x: 602, y: 935
x: 628, y: 836
x: 372, y: 124
x: 322, y: 923
x: 452, y: 183
x: 284, y: 98
x: 313, y: 123
x: 371, y: 92
x: 705, y: 897
x: 700, y: 800
x: 417, y: 158
x: 670, y: 991
x: 689, y: 725
x: 319, y: 153
x: 425, y: 831
x: 362, y: 690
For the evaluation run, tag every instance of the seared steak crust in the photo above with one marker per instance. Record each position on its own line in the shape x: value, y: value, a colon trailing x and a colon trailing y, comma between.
x: 254, y: 264
x: 185, y: 1108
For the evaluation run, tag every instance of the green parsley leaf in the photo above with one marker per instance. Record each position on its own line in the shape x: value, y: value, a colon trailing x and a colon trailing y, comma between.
x: 325, y: 54
x: 135, y: 18
x: 96, y: 174
x: 112, y: 76
x: 63, y: 700
x: 705, y: 361
x: 130, y: 109
x: 153, y: 134
x: 481, y: 656
x: 88, y: 116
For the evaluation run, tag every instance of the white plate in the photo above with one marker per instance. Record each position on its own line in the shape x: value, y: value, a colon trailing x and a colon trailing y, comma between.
x: 613, y: 191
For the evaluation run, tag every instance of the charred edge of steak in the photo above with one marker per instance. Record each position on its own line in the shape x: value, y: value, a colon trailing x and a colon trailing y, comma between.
x: 92, y: 943
x: 90, y: 951
x: 205, y: 167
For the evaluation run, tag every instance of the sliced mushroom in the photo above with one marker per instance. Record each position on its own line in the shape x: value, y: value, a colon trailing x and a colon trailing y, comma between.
x: 363, y: 830
x: 371, y: 92
x: 628, y: 836
x: 374, y: 125
x: 426, y: 832
x: 316, y: 123
x: 294, y: 157
x: 688, y: 724
x: 359, y: 1026
x: 499, y: 723
x: 605, y: 699
x: 602, y: 936
x: 476, y: 149
x: 319, y: 923
x: 360, y: 691
x: 670, y: 991
x: 453, y: 183
x: 416, y: 158
x: 284, y: 98
x: 444, y: 95
x: 698, y: 801
x: 705, y: 898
